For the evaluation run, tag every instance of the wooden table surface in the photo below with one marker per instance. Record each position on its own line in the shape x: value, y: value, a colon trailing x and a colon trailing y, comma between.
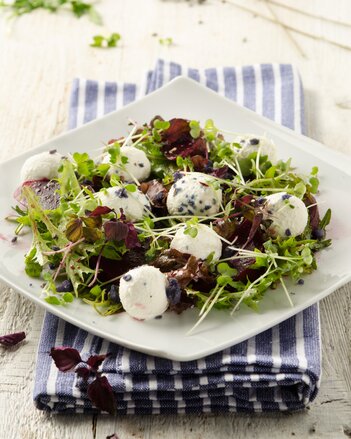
x: 41, y: 53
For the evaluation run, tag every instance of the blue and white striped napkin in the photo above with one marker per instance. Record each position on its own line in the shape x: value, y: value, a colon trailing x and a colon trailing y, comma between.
x: 278, y: 370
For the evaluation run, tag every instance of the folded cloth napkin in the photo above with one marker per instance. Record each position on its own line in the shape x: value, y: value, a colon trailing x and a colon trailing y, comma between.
x: 277, y: 370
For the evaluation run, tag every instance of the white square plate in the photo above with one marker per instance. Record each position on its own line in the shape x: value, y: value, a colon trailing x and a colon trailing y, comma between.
x: 167, y: 337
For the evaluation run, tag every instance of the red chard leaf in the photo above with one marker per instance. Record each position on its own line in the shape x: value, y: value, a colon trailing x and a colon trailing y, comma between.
x: 83, y: 372
x: 12, y: 339
x: 95, y: 361
x: 116, y: 231
x: 100, y: 210
x: 101, y: 395
x: 177, y: 141
x: 65, y: 359
x: 131, y: 239
x: 178, y: 132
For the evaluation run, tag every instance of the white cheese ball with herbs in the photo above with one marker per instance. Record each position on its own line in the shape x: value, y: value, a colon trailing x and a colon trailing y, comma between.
x: 41, y: 166
x: 138, y: 165
x: 142, y: 291
x: 135, y: 205
x: 194, y: 194
x: 287, y: 213
x: 250, y: 144
x: 201, y: 246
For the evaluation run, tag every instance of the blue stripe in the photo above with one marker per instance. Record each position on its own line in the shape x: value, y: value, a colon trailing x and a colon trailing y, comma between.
x: 159, y: 74
x: 230, y: 84
x: 149, y: 78
x: 286, y: 72
x: 287, y: 334
x: 194, y: 74
x: 249, y: 87
x: 175, y: 70
x: 91, y: 94
x: 211, y: 79
x: 129, y: 92
x: 110, y: 96
x: 72, y: 119
x: 268, y: 86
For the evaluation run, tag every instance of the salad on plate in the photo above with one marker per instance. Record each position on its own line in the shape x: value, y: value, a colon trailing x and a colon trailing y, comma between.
x: 172, y: 216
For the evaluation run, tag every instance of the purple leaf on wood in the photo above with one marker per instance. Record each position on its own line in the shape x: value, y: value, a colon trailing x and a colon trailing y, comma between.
x: 12, y: 339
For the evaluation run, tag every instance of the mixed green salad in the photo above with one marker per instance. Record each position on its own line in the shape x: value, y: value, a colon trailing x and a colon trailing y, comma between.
x: 171, y: 216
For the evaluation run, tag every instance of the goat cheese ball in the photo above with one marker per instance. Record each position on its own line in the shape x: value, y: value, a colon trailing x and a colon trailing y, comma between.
x: 41, y: 166
x: 135, y: 205
x: 250, y: 144
x: 287, y: 213
x: 138, y: 165
x: 142, y: 291
x: 201, y: 246
x: 193, y: 194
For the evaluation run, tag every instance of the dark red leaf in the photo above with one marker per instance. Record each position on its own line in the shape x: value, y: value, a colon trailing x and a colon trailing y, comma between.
x: 313, y: 211
x: 95, y: 361
x: 65, y: 359
x: 12, y: 339
x: 194, y: 271
x: 177, y: 141
x: 178, y: 132
x: 112, y: 436
x: 244, y: 270
x: 225, y: 227
x: 116, y: 230
x: 131, y: 240
x: 199, y: 162
x: 220, y: 172
x: 83, y: 372
x: 101, y: 395
x: 256, y: 222
x: 110, y: 269
x: 190, y: 149
x: 100, y: 210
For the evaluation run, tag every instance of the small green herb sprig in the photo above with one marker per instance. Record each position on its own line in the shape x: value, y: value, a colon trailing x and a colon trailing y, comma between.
x: 78, y: 8
x: 168, y: 41
x: 106, y: 42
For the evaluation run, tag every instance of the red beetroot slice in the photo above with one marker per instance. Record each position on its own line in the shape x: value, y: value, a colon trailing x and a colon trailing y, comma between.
x: 45, y: 190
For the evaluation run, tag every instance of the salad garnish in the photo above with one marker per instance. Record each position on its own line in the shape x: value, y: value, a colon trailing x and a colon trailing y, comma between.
x: 173, y: 215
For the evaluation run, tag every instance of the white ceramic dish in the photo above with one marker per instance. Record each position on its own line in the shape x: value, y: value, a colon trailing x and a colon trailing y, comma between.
x: 167, y: 337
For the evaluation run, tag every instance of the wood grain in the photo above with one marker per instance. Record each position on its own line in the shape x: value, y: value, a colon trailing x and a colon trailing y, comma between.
x: 39, y: 57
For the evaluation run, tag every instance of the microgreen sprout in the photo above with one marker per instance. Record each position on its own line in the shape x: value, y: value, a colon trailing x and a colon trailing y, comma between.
x: 168, y: 41
x: 101, y: 41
